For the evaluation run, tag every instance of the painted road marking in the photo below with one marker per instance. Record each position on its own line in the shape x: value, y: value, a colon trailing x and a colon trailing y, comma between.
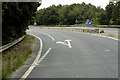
x: 49, y: 36
x: 42, y: 58
x: 66, y: 42
x: 35, y: 63
x: 69, y: 44
x: 107, y: 50
x: 106, y: 37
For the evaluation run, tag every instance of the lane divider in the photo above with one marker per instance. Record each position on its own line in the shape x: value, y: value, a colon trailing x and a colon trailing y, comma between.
x: 43, y: 57
x: 49, y: 36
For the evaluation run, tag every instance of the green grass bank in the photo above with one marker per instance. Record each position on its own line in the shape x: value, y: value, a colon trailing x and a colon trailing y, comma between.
x: 14, y: 58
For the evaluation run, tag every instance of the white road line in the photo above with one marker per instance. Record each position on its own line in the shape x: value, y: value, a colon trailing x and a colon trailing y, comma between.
x: 107, y: 50
x: 42, y: 58
x: 35, y: 63
x: 103, y: 36
x: 106, y: 37
x: 66, y: 42
x: 62, y: 43
x: 112, y: 38
x: 49, y: 36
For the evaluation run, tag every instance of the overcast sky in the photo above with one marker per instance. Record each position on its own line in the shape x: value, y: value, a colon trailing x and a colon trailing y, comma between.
x: 47, y: 3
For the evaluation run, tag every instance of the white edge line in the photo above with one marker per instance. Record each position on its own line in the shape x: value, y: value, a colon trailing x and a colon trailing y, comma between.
x: 42, y: 58
x: 106, y: 37
x: 35, y: 61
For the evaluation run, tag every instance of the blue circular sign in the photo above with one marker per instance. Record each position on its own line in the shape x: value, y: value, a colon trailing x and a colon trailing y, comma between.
x: 90, y: 22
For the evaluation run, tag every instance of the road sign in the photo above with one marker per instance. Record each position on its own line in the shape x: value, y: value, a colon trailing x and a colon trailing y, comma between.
x: 76, y: 21
x: 35, y: 24
x: 90, y: 22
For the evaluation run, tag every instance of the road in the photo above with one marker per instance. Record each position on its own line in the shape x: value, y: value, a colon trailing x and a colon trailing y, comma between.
x: 75, y: 55
x: 113, y: 31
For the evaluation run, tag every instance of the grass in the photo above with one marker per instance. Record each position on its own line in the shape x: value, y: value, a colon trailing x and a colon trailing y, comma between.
x: 118, y: 36
x: 15, y: 57
x: 111, y: 35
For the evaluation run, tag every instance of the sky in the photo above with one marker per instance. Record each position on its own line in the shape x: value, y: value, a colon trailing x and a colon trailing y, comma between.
x: 47, y: 3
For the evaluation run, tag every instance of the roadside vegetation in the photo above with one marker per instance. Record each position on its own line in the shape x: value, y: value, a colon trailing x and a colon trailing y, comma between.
x: 78, y: 14
x: 15, y: 57
x: 111, y: 35
x: 16, y: 17
x: 102, y: 31
x: 118, y: 36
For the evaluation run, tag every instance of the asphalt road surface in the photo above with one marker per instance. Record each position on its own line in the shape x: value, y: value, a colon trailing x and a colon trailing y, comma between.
x: 75, y: 55
x: 113, y: 31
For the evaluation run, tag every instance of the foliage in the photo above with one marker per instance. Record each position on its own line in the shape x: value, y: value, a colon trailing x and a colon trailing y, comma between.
x: 102, y: 31
x: 15, y: 19
x: 112, y: 15
x: 67, y: 14
x: 111, y: 35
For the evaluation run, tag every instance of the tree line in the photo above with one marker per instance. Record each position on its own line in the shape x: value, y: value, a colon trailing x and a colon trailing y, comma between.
x: 16, y: 17
x: 68, y: 14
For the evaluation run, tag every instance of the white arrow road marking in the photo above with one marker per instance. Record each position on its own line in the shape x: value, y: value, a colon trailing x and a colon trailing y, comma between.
x: 69, y: 44
x: 66, y: 42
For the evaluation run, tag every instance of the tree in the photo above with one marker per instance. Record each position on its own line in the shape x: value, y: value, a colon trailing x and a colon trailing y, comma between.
x: 113, y: 13
x: 109, y: 10
x: 67, y: 14
x: 15, y: 19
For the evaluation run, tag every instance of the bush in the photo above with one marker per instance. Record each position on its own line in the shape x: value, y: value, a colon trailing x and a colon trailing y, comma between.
x: 102, y: 31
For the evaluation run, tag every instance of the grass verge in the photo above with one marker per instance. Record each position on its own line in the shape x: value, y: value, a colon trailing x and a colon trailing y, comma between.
x: 15, y: 57
x: 118, y: 36
x: 111, y: 35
